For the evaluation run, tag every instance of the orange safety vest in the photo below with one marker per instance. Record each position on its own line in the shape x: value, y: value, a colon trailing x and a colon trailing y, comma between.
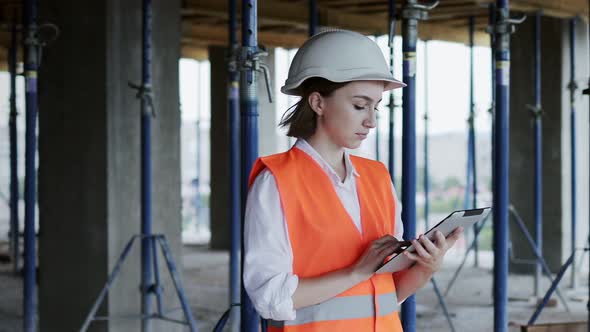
x: 324, y: 239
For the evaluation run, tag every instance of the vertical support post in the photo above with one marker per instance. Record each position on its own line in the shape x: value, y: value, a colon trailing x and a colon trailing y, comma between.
x: 31, y: 63
x: 426, y: 108
x: 234, y: 166
x: 410, y: 38
x: 12, y: 121
x: 492, y: 110
x: 538, y: 150
x: 573, y: 87
x: 313, y: 18
x: 249, y: 132
x: 391, y: 106
x: 412, y: 12
x: 146, y: 165
x: 472, y: 149
x: 502, y: 156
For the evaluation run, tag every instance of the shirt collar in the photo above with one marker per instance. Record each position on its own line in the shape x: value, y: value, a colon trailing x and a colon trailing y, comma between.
x: 304, y: 146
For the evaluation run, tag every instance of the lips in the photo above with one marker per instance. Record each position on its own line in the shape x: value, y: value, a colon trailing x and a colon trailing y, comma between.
x: 362, y: 135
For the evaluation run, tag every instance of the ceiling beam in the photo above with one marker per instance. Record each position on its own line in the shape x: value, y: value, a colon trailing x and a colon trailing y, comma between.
x: 554, y: 8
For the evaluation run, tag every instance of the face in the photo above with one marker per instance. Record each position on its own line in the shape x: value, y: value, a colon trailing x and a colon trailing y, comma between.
x: 347, y: 116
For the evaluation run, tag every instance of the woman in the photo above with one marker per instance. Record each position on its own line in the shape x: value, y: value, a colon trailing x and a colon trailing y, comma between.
x: 319, y: 221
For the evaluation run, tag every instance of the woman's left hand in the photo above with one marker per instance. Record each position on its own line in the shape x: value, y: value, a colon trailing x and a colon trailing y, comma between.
x: 429, y: 255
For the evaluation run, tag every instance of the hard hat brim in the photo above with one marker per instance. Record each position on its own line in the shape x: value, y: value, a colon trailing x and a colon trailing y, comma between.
x: 293, y: 88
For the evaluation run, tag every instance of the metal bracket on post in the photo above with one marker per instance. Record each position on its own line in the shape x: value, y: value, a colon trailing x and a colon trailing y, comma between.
x: 536, y: 111
x: 506, y: 26
x: 572, y: 87
x: 418, y: 11
x: 250, y: 61
x: 145, y: 93
x: 40, y: 37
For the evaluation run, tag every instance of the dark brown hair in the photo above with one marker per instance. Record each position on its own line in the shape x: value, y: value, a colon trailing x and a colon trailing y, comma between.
x: 300, y: 118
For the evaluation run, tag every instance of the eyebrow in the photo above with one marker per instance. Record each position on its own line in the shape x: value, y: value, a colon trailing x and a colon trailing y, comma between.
x: 367, y: 98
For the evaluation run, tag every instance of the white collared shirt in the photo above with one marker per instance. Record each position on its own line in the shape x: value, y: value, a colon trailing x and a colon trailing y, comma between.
x: 268, y: 268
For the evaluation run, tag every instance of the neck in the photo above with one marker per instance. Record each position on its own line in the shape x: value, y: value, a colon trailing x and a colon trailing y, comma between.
x: 332, y: 153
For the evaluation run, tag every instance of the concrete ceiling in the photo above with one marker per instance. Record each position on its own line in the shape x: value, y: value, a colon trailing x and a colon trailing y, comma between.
x: 284, y: 22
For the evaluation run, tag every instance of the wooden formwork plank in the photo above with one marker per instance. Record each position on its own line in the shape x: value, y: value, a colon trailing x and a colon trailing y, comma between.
x: 557, y: 327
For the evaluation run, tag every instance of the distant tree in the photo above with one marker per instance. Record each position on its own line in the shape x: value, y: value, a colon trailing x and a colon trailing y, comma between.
x: 451, y: 182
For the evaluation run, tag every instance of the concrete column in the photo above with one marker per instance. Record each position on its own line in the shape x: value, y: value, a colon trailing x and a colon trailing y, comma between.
x: 89, y: 158
x: 556, y: 143
x: 267, y: 139
x: 219, y: 202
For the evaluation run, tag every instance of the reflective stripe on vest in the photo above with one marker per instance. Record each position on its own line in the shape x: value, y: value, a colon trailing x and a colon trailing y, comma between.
x: 341, y: 308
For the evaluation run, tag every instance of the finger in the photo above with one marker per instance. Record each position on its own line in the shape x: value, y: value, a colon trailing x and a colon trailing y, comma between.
x: 454, y: 236
x: 429, y: 246
x: 387, y: 250
x: 382, y: 240
x: 420, y: 250
x: 411, y: 256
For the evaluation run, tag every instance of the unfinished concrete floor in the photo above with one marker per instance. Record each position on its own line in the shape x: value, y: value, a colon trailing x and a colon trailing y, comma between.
x: 470, y: 301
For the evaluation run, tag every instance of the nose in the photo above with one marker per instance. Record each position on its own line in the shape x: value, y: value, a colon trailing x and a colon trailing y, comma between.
x: 371, y: 121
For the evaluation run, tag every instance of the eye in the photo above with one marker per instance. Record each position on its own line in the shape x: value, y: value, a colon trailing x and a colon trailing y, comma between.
x: 359, y: 108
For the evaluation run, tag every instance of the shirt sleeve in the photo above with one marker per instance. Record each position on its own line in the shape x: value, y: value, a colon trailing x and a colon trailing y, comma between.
x: 398, y: 231
x: 268, y: 262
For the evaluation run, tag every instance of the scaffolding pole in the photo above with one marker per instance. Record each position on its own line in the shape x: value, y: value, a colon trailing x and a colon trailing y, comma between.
x: 504, y: 26
x: 233, y: 105
x: 411, y: 14
x: 537, y: 114
x: 146, y: 167
x: 572, y: 86
x: 31, y: 64
x: 249, y: 64
x: 313, y: 18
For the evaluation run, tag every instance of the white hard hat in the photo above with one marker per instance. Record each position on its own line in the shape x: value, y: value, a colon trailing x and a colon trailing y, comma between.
x: 339, y: 56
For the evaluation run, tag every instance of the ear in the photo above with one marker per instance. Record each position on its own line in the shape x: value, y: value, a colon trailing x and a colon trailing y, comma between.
x: 316, y: 102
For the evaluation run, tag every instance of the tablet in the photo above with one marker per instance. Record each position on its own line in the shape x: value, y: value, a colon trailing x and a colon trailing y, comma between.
x: 463, y: 218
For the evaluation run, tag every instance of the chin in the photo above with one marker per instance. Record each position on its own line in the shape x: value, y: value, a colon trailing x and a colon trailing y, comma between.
x: 353, y: 145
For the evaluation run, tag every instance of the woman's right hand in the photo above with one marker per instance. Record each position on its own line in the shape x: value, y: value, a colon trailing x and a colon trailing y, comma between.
x: 374, y: 256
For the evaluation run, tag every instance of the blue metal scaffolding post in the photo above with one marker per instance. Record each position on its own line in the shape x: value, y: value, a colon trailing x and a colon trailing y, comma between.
x: 572, y: 86
x: 313, y: 18
x: 150, y: 272
x: 31, y: 63
x: 249, y: 66
x: 472, y: 154
x: 503, y: 28
x: 249, y: 131
x: 537, y: 114
x: 146, y: 167
x: 13, y: 136
x: 233, y: 101
x: 391, y: 106
x: 411, y: 13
